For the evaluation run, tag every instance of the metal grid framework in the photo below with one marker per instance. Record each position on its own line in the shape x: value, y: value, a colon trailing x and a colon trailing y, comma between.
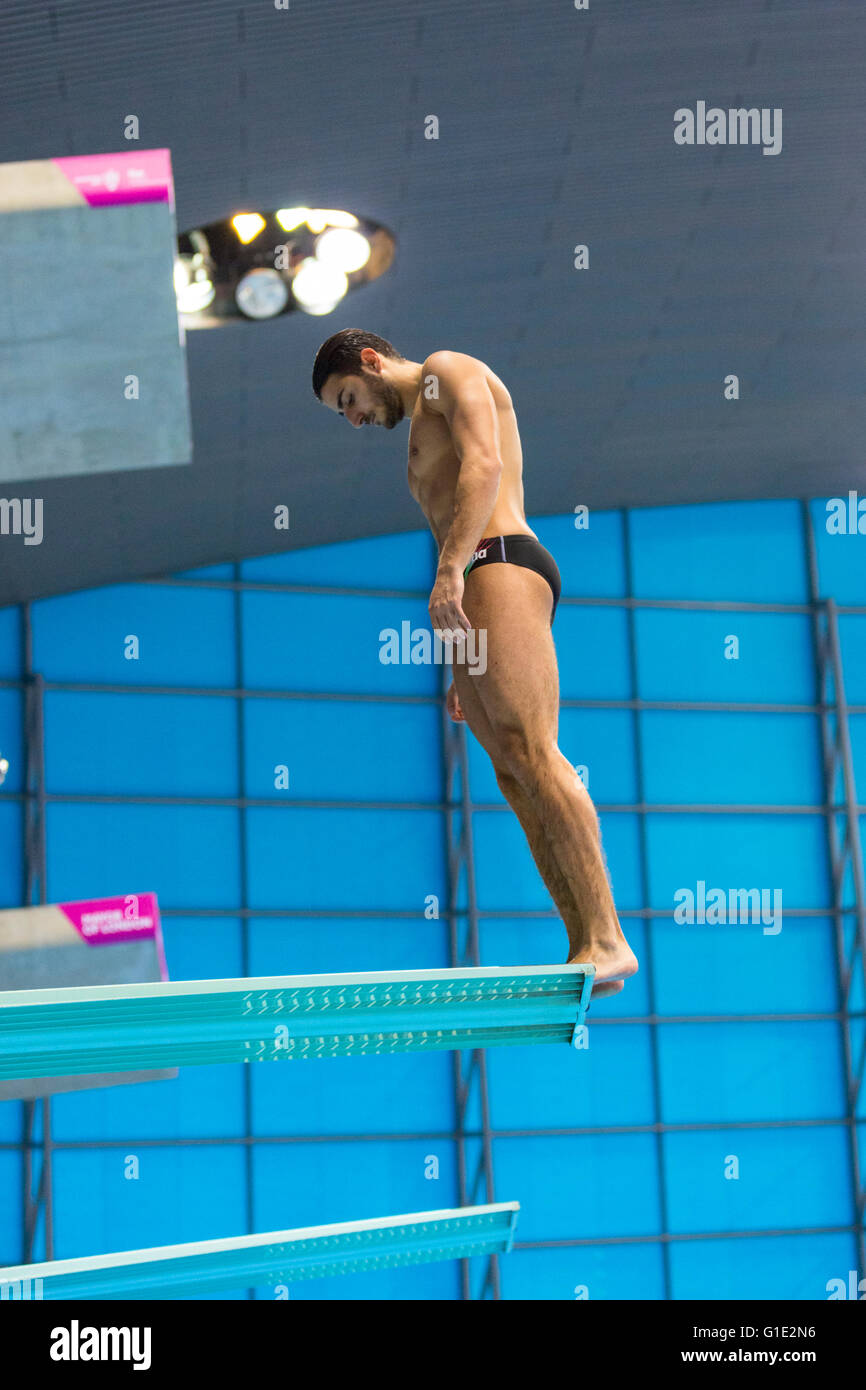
x: 464, y: 915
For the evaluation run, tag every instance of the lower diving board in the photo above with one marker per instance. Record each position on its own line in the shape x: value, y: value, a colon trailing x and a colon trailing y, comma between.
x: 132, y: 1027
x: 280, y: 1257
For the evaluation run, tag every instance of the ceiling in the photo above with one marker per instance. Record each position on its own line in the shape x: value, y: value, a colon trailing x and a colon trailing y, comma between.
x: 556, y: 128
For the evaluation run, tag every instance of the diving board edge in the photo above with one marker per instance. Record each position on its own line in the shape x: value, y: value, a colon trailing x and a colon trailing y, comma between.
x: 250, y: 985
x: 412, y: 1238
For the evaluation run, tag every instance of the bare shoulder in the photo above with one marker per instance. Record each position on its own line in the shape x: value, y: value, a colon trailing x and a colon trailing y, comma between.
x: 446, y: 360
x: 457, y: 370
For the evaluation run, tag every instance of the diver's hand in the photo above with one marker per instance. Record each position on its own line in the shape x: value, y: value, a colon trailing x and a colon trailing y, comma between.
x: 452, y: 703
x: 446, y: 606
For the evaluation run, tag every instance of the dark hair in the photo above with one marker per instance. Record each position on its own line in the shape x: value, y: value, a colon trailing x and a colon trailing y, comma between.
x: 342, y: 353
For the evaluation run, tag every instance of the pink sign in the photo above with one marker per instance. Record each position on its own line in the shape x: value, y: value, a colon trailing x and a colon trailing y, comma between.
x: 140, y: 176
x: 101, y: 921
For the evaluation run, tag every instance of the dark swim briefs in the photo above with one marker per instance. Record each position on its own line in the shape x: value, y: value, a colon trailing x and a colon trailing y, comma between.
x: 518, y: 550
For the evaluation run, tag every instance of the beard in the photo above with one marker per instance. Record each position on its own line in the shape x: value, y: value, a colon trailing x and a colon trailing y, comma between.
x: 386, y: 395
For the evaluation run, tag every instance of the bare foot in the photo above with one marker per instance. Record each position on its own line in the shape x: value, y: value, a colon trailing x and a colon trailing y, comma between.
x: 612, y: 967
x: 612, y: 987
x: 605, y: 988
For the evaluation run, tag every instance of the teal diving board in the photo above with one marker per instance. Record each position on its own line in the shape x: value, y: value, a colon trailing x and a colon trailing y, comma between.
x: 130, y: 1027
x: 280, y: 1257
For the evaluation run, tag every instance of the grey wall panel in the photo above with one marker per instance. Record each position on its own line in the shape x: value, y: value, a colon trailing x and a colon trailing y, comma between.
x: 87, y: 302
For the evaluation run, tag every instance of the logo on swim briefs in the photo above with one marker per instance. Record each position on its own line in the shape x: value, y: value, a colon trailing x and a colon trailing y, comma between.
x: 479, y: 555
x: 420, y: 647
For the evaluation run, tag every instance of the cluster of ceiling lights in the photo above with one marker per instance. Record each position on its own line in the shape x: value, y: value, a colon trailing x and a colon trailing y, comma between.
x: 259, y: 265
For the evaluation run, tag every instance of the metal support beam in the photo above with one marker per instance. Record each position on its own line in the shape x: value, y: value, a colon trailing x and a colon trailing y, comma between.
x: 846, y: 855
x: 240, y: 743
x: 647, y: 964
x: 470, y: 1068
x: 37, y: 1195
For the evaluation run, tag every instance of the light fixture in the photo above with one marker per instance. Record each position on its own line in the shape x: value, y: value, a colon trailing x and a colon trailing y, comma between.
x: 192, y: 284
x: 320, y: 218
x: 254, y: 266
x: 248, y: 225
x: 196, y: 296
x: 291, y: 218
x: 318, y: 288
x: 261, y: 294
x: 343, y: 249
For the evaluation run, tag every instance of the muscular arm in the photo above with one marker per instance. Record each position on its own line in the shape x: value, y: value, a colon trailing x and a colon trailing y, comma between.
x: 466, y: 402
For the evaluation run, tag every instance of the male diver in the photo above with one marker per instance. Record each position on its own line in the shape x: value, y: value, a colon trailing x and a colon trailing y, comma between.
x: 493, y: 574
